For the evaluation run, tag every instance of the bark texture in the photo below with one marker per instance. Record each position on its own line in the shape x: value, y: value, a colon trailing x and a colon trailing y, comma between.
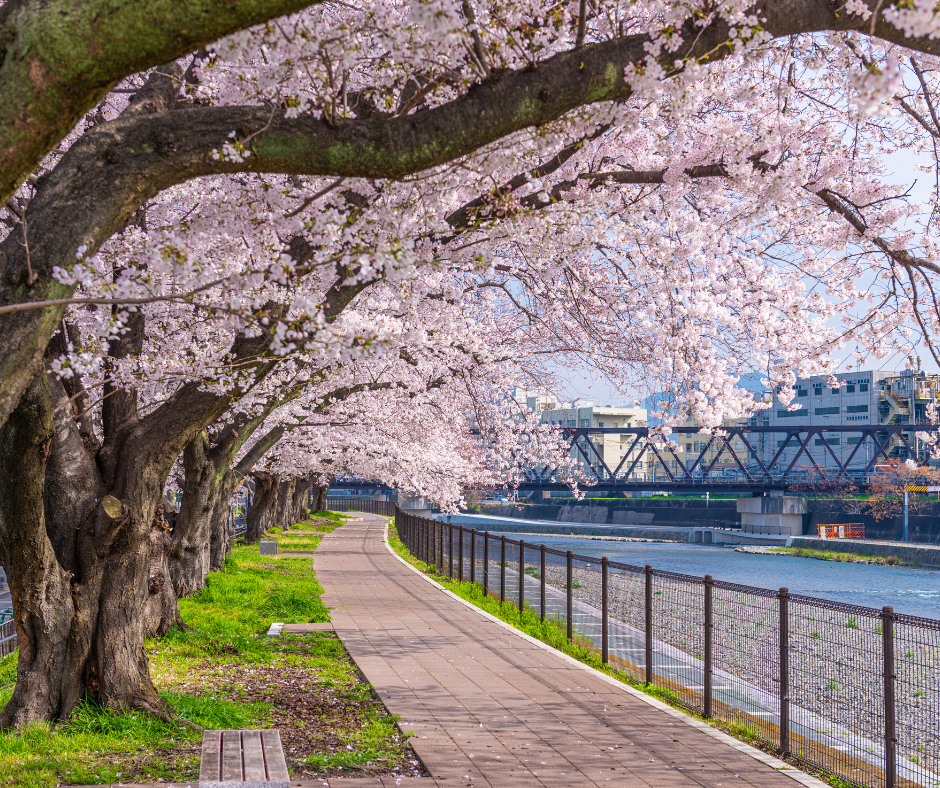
x: 263, y: 512
x: 62, y: 57
x: 318, y: 500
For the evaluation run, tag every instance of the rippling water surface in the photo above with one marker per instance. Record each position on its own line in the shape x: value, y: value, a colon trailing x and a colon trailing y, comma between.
x: 913, y: 591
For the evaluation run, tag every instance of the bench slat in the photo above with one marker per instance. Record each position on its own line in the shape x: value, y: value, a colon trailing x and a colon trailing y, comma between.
x: 253, y: 757
x: 211, y: 751
x: 232, y: 756
x: 274, y: 756
x: 243, y: 759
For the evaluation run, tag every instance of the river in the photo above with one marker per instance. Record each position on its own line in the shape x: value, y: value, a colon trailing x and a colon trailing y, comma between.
x: 912, y: 591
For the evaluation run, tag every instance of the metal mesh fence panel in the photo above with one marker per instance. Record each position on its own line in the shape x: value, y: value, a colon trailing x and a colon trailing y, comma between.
x: 625, y: 601
x: 555, y: 596
x: 746, y: 667
x: 511, y: 570
x: 836, y: 688
x: 917, y: 699
x: 586, y: 605
x: 678, y: 636
x: 336, y: 504
x: 532, y: 577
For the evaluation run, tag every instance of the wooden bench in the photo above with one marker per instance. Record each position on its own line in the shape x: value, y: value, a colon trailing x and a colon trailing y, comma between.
x: 247, y: 759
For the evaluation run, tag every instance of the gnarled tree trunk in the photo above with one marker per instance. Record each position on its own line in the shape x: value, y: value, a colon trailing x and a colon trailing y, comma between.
x: 78, y: 598
x: 263, y: 511
x: 300, y: 500
x: 220, y: 529
x: 318, y: 500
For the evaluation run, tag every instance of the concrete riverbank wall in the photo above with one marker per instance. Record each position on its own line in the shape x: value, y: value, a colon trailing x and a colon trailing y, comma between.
x: 924, y: 528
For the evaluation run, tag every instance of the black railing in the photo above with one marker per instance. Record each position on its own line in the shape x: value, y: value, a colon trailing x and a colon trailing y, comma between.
x: 8, y: 637
x: 354, y: 504
x: 849, y: 690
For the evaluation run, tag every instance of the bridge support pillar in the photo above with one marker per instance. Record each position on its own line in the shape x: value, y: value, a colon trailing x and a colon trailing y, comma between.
x: 776, y: 514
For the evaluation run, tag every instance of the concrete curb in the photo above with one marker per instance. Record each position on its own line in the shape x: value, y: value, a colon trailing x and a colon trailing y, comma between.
x: 775, y: 763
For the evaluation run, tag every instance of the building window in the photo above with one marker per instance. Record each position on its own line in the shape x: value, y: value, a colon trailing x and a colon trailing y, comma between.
x: 585, y: 422
x: 854, y: 441
x: 857, y: 409
x: 837, y: 389
x: 863, y: 387
x: 850, y: 389
x: 600, y: 424
x: 830, y: 441
x: 688, y: 447
x: 817, y: 389
x: 827, y: 411
x: 789, y: 414
x: 802, y: 393
x: 697, y: 446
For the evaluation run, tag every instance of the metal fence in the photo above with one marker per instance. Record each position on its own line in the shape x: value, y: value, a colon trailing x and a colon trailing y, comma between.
x: 7, y: 633
x: 367, y: 505
x: 849, y: 690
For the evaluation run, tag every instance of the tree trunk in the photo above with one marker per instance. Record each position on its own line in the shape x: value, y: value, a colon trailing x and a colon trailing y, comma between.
x: 80, y: 628
x: 163, y: 612
x: 220, y: 531
x: 318, y: 500
x: 189, y: 551
x: 263, y: 510
x: 300, y: 500
x: 285, y: 501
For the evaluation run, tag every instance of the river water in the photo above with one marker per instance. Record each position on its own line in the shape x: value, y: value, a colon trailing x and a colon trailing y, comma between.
x: 912, y: 591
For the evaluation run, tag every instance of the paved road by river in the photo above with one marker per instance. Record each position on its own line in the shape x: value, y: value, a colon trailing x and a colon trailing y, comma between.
x: 490, y: 708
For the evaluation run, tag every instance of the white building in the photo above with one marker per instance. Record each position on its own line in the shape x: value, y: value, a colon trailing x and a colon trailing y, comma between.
x: 861, y: 398
x: 612, y: 446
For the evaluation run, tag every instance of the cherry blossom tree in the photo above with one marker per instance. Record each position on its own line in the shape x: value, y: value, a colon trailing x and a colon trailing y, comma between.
x: 664, y: 192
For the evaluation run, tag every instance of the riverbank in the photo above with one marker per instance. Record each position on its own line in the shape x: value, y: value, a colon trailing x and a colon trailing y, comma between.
x: 825, y: 555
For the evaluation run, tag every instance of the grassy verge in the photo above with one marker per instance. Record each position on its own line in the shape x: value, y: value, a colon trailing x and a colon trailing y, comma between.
x: 849, y: 558
x: 554, y: 634
x: 222, y: 673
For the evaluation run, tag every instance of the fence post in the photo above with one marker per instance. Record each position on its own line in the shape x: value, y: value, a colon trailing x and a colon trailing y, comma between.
x: 473, y: 555
x: 450, y: 551
x: 460, y: 530
x: 502, y: 569
x: 784, y: 596
x: 440, y: 548
x: 604, y: 611
x: 570, y: 591
x: 891, y: 740
x: 521, y: 577
x: 542, y: 579
x: 649, y: 624
x: 708, y: 637
x: 486, y: 563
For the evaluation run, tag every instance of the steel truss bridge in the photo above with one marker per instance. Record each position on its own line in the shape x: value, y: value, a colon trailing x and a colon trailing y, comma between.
x: 735, y: 460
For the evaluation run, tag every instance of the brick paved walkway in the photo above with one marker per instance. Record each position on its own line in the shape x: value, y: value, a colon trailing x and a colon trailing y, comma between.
x: 490, y: 708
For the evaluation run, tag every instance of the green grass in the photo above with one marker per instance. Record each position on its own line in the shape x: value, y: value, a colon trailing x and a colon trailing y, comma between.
x: 831, y: 555
x: 304, y: 536
x: 226, y: 622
